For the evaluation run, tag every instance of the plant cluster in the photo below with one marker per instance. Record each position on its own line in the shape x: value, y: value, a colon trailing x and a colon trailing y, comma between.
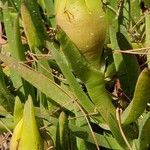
x: 75, y: 74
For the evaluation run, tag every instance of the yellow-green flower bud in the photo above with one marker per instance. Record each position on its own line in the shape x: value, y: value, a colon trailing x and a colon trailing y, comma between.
x: 26, y: 135
x: 16, y: 136
x: 85, y: 23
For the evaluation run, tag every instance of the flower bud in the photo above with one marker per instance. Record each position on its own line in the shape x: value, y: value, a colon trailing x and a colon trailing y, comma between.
x: 84, y: 21
x: 26, y: 135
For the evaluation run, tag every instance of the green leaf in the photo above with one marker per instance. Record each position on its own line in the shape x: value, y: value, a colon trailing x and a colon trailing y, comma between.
x: 18, y: 110
x: 6, y: 99
x: 119, y: 41
x: 62, y: 135
x: 17, y: 50
x: 80, y: 122
x: 103, y: 140
x: 94, y: 82
x: 48, y: 6
x: 75, y: 87
x: 47, y: 86
x: 144, y: 126
x: 85, y: 134
x: 135, y: 11
x: 132, y: 66
x: 17, y: 3
x: 140, y: 99
x: 3, y: 111
x: 8, y: 21
x: 12, y: 29
x: 147, y: 3
x: 43, y: 67
x: 6, y: 124
x: 32, y: 23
